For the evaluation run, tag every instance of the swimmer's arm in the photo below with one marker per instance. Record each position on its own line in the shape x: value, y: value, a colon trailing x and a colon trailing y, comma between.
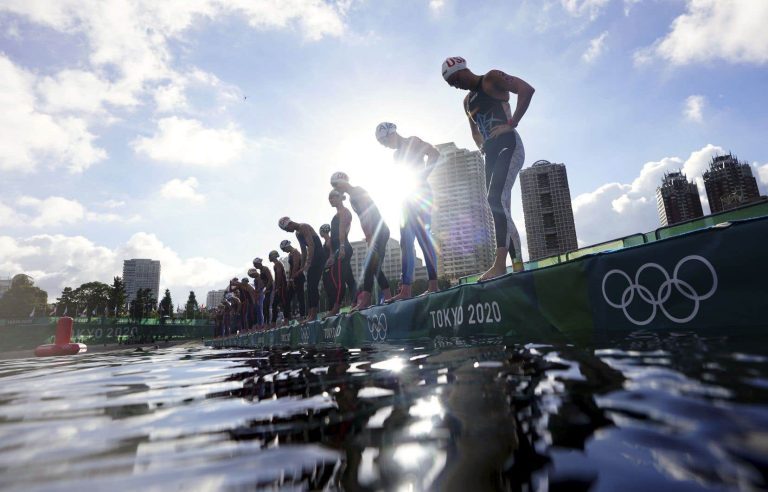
x: 515, y: 85
x: 476, y: 136
x: 433, y: 155
x: 310, y: 251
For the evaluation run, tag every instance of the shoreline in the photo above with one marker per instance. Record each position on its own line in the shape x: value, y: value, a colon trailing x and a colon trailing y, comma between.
x: 97, y: 349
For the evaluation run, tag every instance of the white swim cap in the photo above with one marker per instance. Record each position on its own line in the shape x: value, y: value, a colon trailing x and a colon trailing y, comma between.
x: 383, y: 130
x: 452, y: 65
x: 283, y: 223
x: 325, y: 229
x: 339, y: 178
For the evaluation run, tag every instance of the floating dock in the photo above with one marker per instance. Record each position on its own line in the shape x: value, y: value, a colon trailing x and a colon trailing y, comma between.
x: 710, y: 279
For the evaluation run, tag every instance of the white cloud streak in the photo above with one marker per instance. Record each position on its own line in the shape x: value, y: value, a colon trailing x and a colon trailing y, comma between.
x: 177, y: 189
x: 596, y: 48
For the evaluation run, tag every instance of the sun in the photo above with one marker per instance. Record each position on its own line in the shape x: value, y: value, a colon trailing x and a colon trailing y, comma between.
x: 387, y: 181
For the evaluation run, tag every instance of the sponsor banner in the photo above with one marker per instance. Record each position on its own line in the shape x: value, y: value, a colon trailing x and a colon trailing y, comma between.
x: 709, y: 279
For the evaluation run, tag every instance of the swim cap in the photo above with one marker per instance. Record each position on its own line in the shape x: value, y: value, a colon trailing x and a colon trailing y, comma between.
x: 244, y: 280
x: 283, y: 223
x: 339, y: 178
x: 337, y: 194
x: 273, y: 255
x: 325, y: 229
x: 384, y: 130
x: 284, y: 244
x: 253, y: 273
x: 452, y: 65
x: 256, y: 261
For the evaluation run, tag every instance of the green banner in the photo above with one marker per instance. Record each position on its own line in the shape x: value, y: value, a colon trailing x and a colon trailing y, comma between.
x: 711, y: 279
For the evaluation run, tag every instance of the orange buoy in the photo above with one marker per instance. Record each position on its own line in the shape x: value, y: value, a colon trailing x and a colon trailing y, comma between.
x: 62, y: 344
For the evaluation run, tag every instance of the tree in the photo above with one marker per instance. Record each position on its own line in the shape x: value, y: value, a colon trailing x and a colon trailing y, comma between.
x: 66, y: 305
x: 117, y: 296
x: 23, y: 298
x: 166, y: 305
x: 93, y: 297
x: 191, y: 309
x: 143, y: 305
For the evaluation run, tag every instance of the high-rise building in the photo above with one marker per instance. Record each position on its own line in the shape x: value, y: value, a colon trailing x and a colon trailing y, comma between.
x: 729, y: 183
x: 547, y: 209
x: 462, y: 224
x: 141, y: 274
x: 392, y: 266
x: 677, y: 199
x: 214, y: 298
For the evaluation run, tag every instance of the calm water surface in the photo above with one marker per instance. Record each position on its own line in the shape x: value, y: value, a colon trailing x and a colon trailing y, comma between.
x: 673, y: 411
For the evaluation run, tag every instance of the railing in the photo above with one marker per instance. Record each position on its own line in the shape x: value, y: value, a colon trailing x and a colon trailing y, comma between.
x: 749, y: 211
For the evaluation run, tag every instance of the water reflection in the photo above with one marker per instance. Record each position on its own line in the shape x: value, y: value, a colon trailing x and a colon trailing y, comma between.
x: 677, y: 411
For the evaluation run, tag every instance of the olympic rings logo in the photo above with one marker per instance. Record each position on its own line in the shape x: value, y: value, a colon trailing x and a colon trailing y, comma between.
x: 377, y: 326
x: 664, y: 291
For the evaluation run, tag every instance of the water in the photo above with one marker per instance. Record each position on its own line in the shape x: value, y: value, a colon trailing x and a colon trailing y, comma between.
x: 674, y: 411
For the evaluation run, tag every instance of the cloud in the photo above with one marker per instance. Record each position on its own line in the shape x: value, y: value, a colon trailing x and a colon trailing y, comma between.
x: 30, y: 136
x: 628, y: 5
x: 596, y: 47
x: 54, y: 211
x: 761, y: 172
x: 112, y: 203
x: 177, y: 189
x: 58, y: 261
x: 577, y: 8
x: 694, y: 106
x: 186, y: 141
x: 436, y: 6
x: 619, y: 209
x: 711, y: 30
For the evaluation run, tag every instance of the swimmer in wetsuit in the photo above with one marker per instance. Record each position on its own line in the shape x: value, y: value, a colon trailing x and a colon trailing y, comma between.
x: 416, y: 216
x: 312, y: 261
x: 266, y: 278
x: 281, y: 289
x: 341, y: 261
x: 493, y: 129
x: 295, y: 277
x: 329, y: 285
x: 376, y: 235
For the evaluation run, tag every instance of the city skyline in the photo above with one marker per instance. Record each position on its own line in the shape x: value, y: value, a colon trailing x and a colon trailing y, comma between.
x: 148, y: 130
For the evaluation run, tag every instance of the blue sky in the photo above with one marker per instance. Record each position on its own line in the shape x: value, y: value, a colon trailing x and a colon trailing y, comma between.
x: 183, y: 130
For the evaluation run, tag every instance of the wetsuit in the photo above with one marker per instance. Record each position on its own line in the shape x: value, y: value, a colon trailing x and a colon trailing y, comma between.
x: 341, y: 270
x: 266, y: 277
x: 329, y: 285
x: 280, y: 297
x: 315, y: 270
x: 369, y: 215
x: 296, y: 288
x: 416, y: 217
x: 504, y: 156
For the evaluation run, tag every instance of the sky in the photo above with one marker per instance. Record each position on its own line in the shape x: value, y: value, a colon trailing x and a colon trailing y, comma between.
x: 182, y: 130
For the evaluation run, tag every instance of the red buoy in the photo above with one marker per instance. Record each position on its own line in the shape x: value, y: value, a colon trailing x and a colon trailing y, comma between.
x: 62, y: 344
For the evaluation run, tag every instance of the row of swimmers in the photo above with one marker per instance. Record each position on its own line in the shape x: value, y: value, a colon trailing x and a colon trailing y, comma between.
x: 493, y: 128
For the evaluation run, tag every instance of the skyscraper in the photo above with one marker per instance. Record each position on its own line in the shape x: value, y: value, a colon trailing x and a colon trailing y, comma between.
x: 677, y: 199
x: 462, y: 225
x: 141, y: 274
x: 729, y: 183
x: 547, y: 208
x: 214, y: 298
x: 392, y: 266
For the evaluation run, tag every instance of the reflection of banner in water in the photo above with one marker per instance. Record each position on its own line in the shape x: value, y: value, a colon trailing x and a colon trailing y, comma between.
x: 709, y: 279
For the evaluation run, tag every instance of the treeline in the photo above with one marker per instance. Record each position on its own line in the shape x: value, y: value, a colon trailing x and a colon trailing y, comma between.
x: 91, y: 299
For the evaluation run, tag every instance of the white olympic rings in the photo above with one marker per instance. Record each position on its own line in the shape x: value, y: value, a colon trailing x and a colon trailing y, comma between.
x: 664, y: 292
x: 377, y: 326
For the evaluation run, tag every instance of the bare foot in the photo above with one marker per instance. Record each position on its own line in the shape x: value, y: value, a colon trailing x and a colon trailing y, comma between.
x: 405, y: 293
x: 492, y: 273
x: 363, y: 301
